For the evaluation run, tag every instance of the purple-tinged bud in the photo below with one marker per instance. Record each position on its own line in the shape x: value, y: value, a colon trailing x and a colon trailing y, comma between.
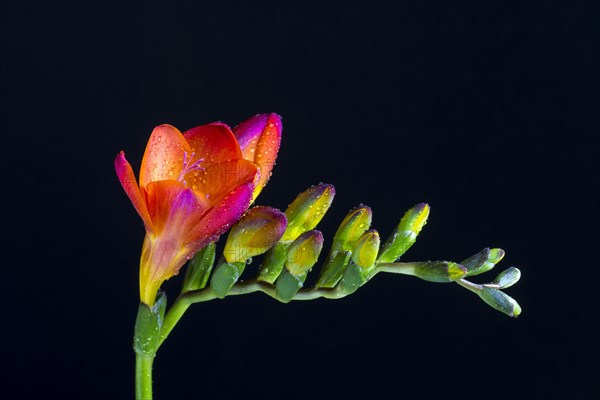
x: 254, y: 234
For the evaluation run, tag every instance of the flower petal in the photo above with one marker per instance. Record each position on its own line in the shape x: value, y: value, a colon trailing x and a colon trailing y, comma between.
x: 213, y: 142
x: 127, y: 178
x: 259, y: 138
x: 163, y: 158
x: 224, y: 214
x: 219, y: 179
x: 174, y: 208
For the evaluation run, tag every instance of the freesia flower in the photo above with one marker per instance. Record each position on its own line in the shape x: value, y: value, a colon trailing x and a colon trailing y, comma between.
x: 259, y: 138
x: 192, y: 188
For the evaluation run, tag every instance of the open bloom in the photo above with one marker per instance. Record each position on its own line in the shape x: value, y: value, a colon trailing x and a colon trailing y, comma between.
x: 192, y: 188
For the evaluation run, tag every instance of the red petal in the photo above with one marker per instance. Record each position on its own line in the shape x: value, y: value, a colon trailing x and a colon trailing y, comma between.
x: 127, y: 178
x: 213, y: 142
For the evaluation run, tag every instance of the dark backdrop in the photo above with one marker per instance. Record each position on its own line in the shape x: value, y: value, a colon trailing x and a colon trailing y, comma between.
x: 486, y: 111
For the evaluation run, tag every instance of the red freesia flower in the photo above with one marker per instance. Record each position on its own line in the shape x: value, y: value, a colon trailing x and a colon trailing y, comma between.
x: 192, y: 188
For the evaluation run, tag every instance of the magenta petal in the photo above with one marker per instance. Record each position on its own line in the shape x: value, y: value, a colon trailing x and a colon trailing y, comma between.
x: 220, y: 218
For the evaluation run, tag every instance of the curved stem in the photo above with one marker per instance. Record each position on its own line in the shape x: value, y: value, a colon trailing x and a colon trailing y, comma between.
x: 143, y: 377
x: 473, y: 287
x: 185, y: 300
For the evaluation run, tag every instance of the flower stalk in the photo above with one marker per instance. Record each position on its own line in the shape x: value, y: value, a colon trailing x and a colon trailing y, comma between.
x: 197, y: 185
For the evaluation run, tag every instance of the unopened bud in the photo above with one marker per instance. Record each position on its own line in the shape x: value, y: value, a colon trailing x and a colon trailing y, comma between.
x: 254, y: 234
x: 304, y: 252
x: 366, y: 248
x: 405, y: 234
x: 500, y: 301
x: 352, y: 227
x: 483, y: 261
x: 307, y: 210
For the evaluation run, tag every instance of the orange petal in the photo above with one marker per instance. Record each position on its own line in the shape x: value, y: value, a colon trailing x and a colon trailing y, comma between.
x: 224, y: 214
x: 127, y: 178
x: 213, y: 142
x: 174, y: 208
x: 219, y: 179
x: 163, y: 159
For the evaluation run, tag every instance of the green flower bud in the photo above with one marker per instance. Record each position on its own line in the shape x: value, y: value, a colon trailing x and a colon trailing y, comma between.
x: 254, y: 234
x: 352, y: 227
x: 507, y: 278
x: 301, y: 257
x: 483, y: 261
x: 439, y: 271
x: 199, y: 268
x: 405, y: 234
x: 307, y: 210
x: 500, y: 301
x: 431, y: 271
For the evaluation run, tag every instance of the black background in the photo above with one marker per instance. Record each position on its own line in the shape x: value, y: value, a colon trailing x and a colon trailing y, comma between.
x: 487, y: 111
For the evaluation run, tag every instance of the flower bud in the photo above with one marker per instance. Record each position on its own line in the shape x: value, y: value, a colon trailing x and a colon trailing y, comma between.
x: 301, y: 256
x: 507, y: 278
x: 431, y: 271
x: 483, y: 261
x: 307, y: 210
x: 366, y: 249
x: 439, y: 271
x: 405, y: 234
x: 500, y: 301
x: 352, y: 227
x: 254, y: 234
x: 304, y: 252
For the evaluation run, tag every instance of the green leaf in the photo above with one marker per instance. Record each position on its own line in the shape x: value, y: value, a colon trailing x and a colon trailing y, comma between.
x: 334, y: 268
x: 147, y: 326
x: 354, y: 278
x: 199, y: 269
x: 273, y: 263
x: 225, y: 276
x: 288, y: 285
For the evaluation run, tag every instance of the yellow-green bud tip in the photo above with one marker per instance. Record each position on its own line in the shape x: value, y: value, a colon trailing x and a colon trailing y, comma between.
x: 307, y: 210
x: 304, y: 252
x: 366, y: 249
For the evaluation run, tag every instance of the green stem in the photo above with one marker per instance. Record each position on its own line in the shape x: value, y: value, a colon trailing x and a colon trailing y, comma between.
x: 185, y: 300
x: 179, y: 307
x: 143, y: 377
x: 473, y: 287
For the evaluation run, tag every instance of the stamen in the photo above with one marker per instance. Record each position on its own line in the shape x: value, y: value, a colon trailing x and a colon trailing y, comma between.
x: 189, y: 166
